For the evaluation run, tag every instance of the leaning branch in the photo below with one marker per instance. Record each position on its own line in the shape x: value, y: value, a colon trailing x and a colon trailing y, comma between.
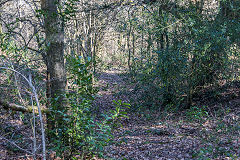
x: 15, y: 107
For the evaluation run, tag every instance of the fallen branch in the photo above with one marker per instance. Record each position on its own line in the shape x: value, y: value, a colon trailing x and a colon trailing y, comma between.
x: 16, y: 107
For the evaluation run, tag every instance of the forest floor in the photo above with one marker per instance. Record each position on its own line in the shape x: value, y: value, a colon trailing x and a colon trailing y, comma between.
x: 209, y: 133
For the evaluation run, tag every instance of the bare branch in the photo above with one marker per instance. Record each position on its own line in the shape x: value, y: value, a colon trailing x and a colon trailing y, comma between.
x: 38, y: 107
x: 15, y: 145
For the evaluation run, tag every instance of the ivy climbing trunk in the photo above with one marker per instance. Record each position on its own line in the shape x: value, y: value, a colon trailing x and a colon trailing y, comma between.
x: 54, y: 59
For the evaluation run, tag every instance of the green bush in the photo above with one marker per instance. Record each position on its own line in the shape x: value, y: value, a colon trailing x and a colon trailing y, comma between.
x: 197, y: 113
x: 187, y: 52
x: 82, y: 136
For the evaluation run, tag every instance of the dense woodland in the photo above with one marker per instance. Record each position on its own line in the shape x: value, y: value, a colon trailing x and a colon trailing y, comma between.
x: 120, y: 79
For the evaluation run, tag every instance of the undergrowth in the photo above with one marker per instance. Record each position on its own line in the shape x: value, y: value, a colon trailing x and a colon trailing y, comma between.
x: 82, y: 136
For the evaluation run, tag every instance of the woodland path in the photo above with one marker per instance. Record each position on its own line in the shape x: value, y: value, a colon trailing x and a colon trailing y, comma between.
x: 110, y: 85
x: 149, y: 135
x: 142, y: 137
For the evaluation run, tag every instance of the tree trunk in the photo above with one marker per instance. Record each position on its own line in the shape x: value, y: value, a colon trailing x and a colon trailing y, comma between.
x: 56, y: 74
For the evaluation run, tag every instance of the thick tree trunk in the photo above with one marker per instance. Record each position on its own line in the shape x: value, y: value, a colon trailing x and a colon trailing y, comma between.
x: 56, y: 74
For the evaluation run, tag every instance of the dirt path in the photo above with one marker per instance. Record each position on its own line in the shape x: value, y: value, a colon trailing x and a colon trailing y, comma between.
x: 146, y: 136
x: 140, y: 138
x: 111, y: 86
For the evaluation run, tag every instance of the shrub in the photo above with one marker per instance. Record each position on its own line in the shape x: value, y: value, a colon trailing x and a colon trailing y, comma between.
x: 81, y: 135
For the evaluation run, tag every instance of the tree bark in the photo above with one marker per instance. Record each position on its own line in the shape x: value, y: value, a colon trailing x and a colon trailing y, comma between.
x: 56, y: 74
